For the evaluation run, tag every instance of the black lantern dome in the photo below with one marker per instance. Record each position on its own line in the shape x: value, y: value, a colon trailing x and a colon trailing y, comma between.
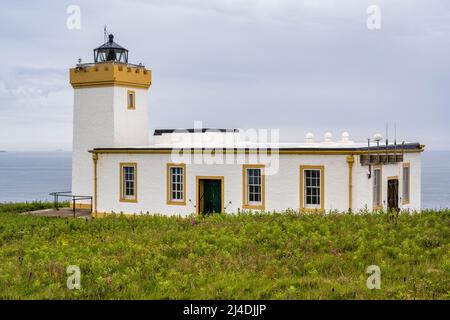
x: 111, y: 51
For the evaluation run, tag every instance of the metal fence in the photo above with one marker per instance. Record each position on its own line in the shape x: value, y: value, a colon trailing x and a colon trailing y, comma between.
x: 72, y: 198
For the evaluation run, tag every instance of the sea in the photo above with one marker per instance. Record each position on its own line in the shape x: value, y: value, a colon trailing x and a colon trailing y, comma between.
x: 29, y: 176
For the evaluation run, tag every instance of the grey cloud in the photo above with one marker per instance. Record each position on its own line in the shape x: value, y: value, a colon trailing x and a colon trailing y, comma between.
x: 294, y: 65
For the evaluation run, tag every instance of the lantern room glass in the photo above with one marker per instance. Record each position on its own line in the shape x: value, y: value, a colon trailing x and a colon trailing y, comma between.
x: 111, y: 51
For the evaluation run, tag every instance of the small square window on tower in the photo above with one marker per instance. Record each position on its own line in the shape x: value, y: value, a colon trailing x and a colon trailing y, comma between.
x: 131, y: 100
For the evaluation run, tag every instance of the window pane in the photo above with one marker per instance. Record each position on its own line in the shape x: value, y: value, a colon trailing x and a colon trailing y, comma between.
x: 128, y: 183
x: 254, y: 185
x: 312, y: 187
x: 377, y: 187
x: 131, y: 100
x: 406, y: 177
x: 176, y: 185
x: 315, y: 200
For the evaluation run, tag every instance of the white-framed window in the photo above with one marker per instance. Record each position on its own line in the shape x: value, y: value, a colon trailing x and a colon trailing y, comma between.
x: 312, y: 187
x: 406, y: 183
x: 176, y: 184
x: 377, y: 199
x: 128, y: 182
x: 253, y: 187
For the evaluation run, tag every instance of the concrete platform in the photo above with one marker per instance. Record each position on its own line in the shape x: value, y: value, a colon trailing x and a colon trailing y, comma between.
x: 62, y: 213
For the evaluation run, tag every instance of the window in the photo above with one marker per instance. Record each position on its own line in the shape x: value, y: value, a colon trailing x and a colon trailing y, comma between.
x: 377, y: 204
x: 406, y: 183
x: 131, y: 100
x: 253, y: 187
x: 128, y: 182
x: 311, y: 187
x: 176, y: 184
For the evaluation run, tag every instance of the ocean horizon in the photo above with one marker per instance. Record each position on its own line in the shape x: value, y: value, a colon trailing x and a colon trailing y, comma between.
x: 31, y: 175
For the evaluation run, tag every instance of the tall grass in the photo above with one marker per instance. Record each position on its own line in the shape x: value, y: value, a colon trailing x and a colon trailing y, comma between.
x: 243, y: 256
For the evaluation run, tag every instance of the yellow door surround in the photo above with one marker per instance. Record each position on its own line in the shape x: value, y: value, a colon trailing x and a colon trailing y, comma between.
x: 197, y: 193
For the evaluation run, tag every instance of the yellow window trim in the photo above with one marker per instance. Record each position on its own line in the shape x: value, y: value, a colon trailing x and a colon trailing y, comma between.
x: 322, y: 187
x: 128, y: 164
x: 129, y: 106
x: 197, y: 194
x: 406, y: 165
x: 169, y: 200
x: 380, y: 195
x: 244, y: 187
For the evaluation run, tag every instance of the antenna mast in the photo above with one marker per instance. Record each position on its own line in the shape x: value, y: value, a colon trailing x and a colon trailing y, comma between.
x: 387, y: 132
x: 395, y: 141
x: 105, y: 34
x: 387, y: 141
x: 395, y: 132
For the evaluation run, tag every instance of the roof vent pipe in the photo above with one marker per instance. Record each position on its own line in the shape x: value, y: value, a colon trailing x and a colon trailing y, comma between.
x: 345, y: 137
x: 309, y: 138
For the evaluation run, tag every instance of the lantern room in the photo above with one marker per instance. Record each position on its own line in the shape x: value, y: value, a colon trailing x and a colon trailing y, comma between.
x: 111, y: 51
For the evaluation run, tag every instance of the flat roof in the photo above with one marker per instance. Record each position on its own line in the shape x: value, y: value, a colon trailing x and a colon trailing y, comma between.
x: 159, y: 132
x: 353, y: 147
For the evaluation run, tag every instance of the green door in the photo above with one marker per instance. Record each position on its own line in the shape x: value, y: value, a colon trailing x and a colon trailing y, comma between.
x: 212, y: 196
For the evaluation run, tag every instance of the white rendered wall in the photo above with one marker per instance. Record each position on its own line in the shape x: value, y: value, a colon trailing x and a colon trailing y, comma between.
x: 363, y: 187
x: 282, y: 189
x: 101, y: 119
x: 93, y: 125
x: 131, y: 126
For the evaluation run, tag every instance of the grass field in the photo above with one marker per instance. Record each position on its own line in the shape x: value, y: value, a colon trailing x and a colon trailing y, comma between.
x: 263, y: 256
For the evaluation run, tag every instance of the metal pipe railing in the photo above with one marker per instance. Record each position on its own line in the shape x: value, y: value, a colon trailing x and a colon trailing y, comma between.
x: 74, y: 198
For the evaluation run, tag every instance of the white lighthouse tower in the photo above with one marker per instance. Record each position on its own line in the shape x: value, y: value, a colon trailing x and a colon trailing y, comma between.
x: 110, y: 110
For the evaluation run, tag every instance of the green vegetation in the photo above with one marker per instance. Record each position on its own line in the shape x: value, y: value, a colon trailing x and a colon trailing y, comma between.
x: 266, y: 256
x: 27, y: 206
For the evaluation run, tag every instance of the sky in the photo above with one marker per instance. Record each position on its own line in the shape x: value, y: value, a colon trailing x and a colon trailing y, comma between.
x: 294, y: 65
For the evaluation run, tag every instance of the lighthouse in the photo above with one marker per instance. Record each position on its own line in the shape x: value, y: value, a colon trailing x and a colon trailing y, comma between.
x: 117, y: 166
x: 110, y: 109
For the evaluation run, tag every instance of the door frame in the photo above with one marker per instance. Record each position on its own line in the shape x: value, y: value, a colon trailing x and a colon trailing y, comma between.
x: 387, y: 191
x: 197, y: 193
